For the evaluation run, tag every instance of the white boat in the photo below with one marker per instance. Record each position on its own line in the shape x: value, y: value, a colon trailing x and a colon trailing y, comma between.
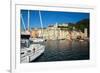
x: 36, y: 40
x: 29, y: 52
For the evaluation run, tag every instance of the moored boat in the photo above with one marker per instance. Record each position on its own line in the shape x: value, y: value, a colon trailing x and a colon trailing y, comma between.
x: 30, y: 51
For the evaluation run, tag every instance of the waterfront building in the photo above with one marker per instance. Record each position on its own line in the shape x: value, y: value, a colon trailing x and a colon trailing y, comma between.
x: 34, y: 33
x: 58, y: 31
x: 86, y: 32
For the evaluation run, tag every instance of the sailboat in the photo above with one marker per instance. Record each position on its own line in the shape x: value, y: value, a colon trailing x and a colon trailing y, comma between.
x: 29, y: 51
x: 39, y: 39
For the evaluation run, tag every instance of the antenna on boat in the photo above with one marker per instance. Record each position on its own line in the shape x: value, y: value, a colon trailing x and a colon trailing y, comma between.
x: 41, y: 21
x: 23, y: 22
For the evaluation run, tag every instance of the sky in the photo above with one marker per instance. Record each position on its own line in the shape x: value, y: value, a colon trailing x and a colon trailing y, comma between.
x: 50, y: 18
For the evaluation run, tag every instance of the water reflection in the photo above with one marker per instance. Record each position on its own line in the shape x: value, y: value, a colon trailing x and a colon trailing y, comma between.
x: 59, y: 50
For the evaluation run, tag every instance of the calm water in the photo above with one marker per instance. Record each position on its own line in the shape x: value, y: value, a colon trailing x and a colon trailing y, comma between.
x: 61, y: 50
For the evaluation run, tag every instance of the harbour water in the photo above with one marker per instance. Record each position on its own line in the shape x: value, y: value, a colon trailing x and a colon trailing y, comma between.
x: 64, y: 50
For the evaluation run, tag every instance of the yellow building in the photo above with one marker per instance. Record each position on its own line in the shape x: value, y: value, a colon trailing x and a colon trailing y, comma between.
x: 34, y: 33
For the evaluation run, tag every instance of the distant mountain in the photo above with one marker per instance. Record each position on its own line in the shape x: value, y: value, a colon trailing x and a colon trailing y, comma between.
x: 80, y: 25
x: 84, y: 21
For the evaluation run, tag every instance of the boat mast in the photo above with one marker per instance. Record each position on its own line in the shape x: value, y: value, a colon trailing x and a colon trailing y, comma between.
x: 28, y: 21
x: 23, y: 22
x: 41, y: 22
